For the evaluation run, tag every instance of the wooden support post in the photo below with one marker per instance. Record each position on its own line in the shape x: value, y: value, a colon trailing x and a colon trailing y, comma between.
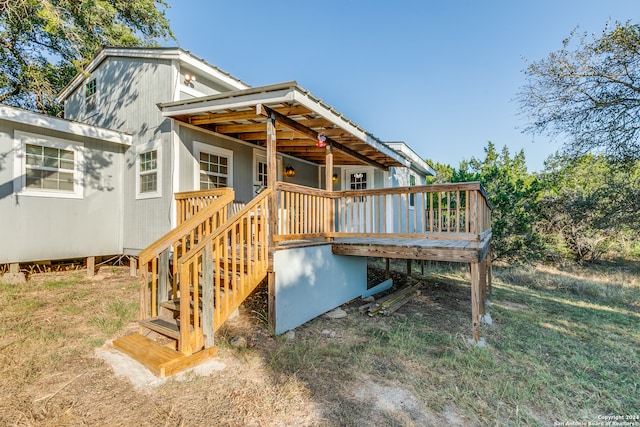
x: 489, y: 272
x: 271, y: 299
x: 328, y: 180
x: 133, y: 266
x: 144, y: 291
x: 387, y: 270
x: 91, y: 266
x: 14, y: 268
x: 483, y: 286
x: 207, y: 296
x: 475, y: 301
x: 409, y: 269
x: 422, y: 267
x: 163, y: 278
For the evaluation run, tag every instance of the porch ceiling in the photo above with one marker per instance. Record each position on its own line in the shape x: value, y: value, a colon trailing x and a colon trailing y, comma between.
x: 299, y: 118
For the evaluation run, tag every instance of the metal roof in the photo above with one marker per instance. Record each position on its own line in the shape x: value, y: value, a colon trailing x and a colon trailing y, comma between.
x: 238, y: 114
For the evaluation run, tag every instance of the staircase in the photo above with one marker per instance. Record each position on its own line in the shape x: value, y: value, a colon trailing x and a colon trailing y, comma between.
x: 220, y: 254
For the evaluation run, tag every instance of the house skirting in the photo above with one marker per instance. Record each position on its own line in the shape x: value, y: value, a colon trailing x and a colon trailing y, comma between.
x: 310, y: 281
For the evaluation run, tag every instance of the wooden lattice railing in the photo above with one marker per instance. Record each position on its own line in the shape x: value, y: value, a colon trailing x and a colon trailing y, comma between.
x: 200, y: 219
x: 221, y: 271
x: 443, y: 211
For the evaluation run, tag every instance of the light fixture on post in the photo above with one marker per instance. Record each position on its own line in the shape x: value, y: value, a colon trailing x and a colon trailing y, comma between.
x: 334, y: 178
x: 289, y: 171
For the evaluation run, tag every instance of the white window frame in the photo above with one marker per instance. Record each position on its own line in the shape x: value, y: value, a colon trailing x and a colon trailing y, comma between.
x: 143, y: 149
x: 91, y: 100
x: 261, y: 156
x: 412, y: 196
x: 21, y: 139
x: 200, y: 147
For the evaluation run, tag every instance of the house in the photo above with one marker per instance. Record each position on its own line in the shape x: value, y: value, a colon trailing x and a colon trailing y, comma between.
x: 214, y: 186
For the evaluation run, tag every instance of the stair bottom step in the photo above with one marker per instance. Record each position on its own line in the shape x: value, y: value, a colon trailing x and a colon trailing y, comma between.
x: 164, y: 326
x: 160, y: 360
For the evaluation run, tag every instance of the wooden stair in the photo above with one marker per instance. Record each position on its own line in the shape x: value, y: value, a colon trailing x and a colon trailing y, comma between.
x: 215, y: 266
x: 160, y: 360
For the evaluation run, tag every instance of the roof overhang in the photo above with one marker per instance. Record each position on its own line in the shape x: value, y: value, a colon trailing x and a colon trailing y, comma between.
x: 299, y: 117
x: 417, y: 163
x: 17, y: 115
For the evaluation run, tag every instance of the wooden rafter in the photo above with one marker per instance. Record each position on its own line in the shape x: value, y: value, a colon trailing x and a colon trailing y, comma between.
x: 312, y: 134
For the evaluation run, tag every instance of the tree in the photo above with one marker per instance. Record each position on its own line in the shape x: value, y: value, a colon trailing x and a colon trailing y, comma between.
x: 590, y: 204
x: 589, y: 92
x: 513, y: 193
x: 44, y: 43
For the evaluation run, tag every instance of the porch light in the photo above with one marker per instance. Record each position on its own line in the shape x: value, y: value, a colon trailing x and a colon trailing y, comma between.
x: 289, y: 171
x: 322, y: 140
x: 189, y: 78
x: 334, y: 178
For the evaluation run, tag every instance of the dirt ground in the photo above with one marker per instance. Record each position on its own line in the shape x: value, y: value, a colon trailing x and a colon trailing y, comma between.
x: 50, y: 374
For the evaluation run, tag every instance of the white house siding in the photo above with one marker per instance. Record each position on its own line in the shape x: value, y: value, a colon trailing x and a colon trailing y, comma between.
x: 34, y: 228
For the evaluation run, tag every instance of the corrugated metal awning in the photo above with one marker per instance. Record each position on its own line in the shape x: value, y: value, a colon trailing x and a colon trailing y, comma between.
x: 240, y: 114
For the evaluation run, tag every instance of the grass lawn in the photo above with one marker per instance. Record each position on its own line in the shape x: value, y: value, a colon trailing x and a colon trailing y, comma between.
x: 563, y: 348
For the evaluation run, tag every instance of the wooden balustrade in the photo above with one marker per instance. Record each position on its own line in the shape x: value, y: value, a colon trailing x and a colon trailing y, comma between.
x: 155, y: 277
x: 303, y: 212
x: 189, y: 203
x: 443, y: 211
x: 225, y: 266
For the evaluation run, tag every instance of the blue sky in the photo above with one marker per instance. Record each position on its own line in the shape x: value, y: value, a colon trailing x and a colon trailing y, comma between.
x: 441, y: 76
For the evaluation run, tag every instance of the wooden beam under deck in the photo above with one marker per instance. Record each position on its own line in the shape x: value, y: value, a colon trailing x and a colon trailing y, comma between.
x: 428, y: 250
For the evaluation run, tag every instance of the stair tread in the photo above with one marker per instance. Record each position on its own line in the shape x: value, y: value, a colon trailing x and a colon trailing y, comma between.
x: 160, y: 360
x: 163, y: 325
x: 147, y: 351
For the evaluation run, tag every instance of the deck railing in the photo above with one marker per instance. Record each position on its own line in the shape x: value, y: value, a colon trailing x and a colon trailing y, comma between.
x: 189, y: 203
x: 221, y: 271
x: 303, y: 212
x: 203, y: 216
x: 442, y: 211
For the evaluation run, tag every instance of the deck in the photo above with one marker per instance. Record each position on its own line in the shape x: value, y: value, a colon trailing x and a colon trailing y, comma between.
x: 220, y: 253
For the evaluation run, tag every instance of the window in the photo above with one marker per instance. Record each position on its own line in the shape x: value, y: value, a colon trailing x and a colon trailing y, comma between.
x: 412, y: 196
x: 48, y: 167
x: 149, y: 170
x: 261, y: 172
x: 215, y: 165
x: 358, y: 181
x: 214, y: 171
x: 90, y: 96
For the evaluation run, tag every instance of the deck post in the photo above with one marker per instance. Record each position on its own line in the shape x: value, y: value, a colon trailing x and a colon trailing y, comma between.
x: 387, y: 270
x: 483, y: 287
x: 273, y: 217
x: 489, y: 271
x: 328, y: 179
x: 475, y: 301
x: 133, y: 266
x: 91, y: 266
x: 409, y: 268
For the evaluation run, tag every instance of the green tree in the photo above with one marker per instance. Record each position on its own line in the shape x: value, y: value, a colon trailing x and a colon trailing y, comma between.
x: 590, y: 205
x: 513, y: 193
x: 44, y: 43
x: 589, y: 93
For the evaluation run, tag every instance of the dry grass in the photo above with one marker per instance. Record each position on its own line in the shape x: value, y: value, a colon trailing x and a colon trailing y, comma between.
x: 564, y: 348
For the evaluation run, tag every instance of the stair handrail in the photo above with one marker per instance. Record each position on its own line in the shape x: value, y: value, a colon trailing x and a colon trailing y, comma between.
x: 201, y: 223
x: 245, y: 230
